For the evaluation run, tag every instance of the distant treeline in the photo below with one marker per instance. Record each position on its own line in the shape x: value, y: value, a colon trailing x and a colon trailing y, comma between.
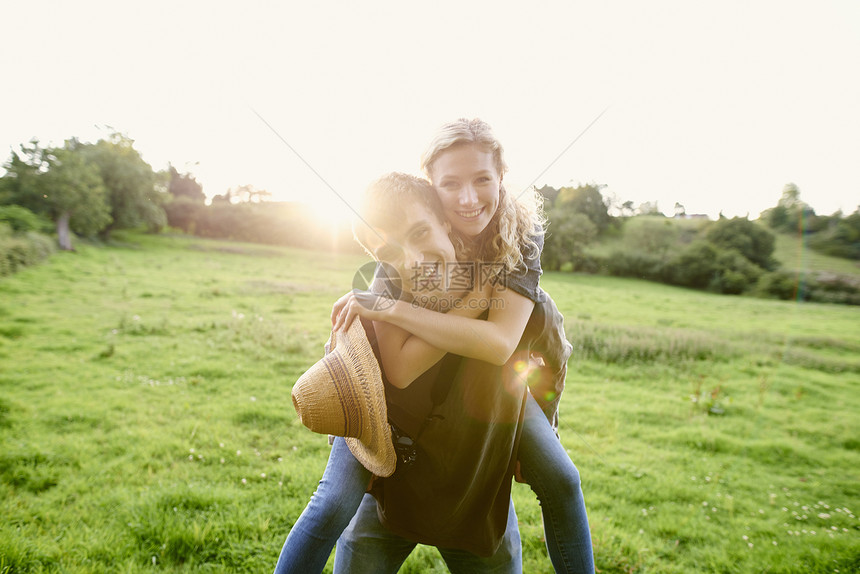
x: 91, y: 190
x: 292, y: 224
x: 732, y: 256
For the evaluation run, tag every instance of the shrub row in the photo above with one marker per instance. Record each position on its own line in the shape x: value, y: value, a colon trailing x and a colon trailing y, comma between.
x: 268, y: 223
x: 821, y: 287
x: 700, y: 265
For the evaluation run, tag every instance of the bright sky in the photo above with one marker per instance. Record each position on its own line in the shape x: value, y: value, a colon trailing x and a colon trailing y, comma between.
x: 716, y: 105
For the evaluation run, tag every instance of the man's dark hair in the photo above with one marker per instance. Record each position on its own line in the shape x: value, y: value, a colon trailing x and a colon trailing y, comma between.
x: 384, y: 200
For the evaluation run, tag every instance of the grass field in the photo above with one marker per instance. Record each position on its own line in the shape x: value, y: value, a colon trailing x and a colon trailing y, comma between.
x: 146, y: 425
x: 794, y: 255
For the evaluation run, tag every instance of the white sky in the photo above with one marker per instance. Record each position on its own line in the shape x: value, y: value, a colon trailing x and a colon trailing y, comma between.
x: 715, y: 105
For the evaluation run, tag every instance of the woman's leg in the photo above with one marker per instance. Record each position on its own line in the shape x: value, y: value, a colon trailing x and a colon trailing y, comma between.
x: 547, y: 468
x: 329, y: 511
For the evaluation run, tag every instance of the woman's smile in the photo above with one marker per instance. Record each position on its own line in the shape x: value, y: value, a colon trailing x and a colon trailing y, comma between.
x: 467, y: 182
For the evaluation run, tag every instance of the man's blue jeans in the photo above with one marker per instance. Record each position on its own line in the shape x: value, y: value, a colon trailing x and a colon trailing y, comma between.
x: 333, y: 506
x: 553, y: 477
x: 367, y: 547
x: 545, y: 466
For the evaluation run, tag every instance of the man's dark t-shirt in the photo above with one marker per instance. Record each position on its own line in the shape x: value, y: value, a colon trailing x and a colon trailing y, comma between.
x: 465, y: 417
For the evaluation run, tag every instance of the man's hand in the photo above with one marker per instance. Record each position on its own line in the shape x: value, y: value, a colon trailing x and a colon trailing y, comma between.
x: 518, y: 474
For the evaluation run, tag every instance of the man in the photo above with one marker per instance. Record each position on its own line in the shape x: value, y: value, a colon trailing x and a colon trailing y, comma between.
x: 462, y: 416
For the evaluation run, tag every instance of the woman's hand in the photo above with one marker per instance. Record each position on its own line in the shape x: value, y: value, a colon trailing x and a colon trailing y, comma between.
x: 360, y: 304
x: 338, y: 307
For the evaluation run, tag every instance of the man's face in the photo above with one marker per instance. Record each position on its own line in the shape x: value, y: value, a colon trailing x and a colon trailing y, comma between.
x: 418, y: 246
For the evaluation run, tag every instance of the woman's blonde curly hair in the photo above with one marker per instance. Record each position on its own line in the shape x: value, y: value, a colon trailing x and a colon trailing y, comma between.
x: 509, y: 237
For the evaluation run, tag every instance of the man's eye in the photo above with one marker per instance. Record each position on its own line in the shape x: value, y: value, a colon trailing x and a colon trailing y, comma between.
x: 385, y: 255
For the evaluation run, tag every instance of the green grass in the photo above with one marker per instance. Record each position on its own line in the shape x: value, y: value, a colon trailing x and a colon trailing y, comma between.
x: 791, y: 251
x: 146, y: 424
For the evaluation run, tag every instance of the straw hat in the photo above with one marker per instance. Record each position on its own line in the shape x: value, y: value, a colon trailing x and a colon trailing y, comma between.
x: 342, y: 395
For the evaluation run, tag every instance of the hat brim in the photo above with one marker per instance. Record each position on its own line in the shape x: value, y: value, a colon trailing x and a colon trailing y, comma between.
x: 374, y: 448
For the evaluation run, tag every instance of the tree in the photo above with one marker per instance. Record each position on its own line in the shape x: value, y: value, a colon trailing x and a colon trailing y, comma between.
x: 567, y: 235
x: 248, y: 194
x: 186, y: 201
x: 129, y: 181
x: 76, y: 196
x: 790, y: 213
x: 184, y: 185
x: 648, y: 208
x: 627, y: 209
x: 60, y: 184
x: 587, y: 200
x: 549, y: 195
x: 20, y: 183
x: 790, y: 196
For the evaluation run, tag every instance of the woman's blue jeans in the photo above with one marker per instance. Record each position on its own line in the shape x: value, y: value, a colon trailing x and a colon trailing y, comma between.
x: 553, y: 477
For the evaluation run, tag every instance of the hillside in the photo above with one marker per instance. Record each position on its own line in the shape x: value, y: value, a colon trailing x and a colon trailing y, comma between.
x: 794, y: 255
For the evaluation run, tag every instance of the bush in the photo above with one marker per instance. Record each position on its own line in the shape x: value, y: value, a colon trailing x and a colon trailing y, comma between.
x: 822, y: 287
x: 17, y: 251
x: 635, y: 264
x: 21, y: 219
x: 750, y: 239
x: 736, y: 273
x: 833, y: 288
x: 696, y: 266
x: 840, y: 239
x: 183, y: 213
x: 586, y: 263
x: 703, y: 265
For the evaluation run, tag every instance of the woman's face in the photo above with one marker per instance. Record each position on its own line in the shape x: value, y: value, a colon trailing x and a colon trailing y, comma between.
x: 467, y: 182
